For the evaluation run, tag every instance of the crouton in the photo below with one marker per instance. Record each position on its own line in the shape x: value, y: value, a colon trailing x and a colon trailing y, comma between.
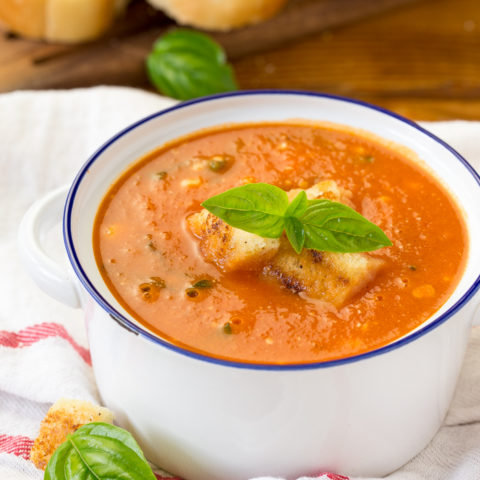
x: 230, y: 248
x: 328, y: 276
x: 64, y: 417
x: 331, y: 277
x: 326, y: 189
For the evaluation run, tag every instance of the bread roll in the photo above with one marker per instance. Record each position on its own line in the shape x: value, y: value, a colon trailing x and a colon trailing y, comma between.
x: 26, y: 18
x: 65, y: 21
x: 218, y: 14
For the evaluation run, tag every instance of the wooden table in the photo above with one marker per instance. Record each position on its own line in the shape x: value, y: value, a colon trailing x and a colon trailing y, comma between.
x: 421, y: 60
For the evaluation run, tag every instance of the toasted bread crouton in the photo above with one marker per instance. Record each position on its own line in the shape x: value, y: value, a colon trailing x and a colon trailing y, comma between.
x: 328, y: 276
x: 326, y: 189
x: 230, y: 248
x: 64, y: 417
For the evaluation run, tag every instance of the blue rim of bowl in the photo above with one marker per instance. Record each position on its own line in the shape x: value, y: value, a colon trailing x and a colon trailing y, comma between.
x: 134, y: 328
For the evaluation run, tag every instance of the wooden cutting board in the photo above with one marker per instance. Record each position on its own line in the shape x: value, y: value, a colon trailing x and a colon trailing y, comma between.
x: 118, y: 57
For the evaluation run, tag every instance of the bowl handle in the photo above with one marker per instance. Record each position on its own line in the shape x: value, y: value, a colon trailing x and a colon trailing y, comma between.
x: 50, y: 275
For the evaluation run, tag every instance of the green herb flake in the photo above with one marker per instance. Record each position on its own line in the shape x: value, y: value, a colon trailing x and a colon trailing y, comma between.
x: 186, y: 64
x: 218, y: 163
x: 320, y: 224
x: 227, y: 328
x: 204, y: 283
x: 412, y: 267
x: 368, y: 158
x: 150, y: 291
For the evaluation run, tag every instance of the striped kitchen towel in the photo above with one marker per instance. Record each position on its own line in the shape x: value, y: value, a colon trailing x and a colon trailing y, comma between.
x: 45, y: 138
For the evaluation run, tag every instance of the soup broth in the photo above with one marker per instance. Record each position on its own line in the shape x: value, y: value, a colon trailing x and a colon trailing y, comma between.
x: 152, y: 264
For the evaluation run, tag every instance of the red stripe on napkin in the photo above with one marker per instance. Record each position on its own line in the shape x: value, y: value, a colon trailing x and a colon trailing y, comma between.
x: 33, y: 334
x: 333, y: 476
x: 16, y: 445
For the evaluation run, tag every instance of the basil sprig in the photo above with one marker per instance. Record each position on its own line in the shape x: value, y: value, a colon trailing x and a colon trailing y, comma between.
x: 185, y: 64
x: 99, y: 451
x: 264, y: 210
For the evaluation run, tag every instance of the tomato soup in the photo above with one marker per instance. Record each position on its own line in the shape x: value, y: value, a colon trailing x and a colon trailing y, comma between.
x: 152, y: 264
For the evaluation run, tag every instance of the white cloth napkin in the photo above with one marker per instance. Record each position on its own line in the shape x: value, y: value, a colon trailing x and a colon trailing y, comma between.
x: 44, y: 138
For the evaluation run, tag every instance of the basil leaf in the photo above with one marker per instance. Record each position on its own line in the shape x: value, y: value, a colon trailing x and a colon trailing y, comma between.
x: 182, y: 39
x: 323, y: 225
x: 99, y: 451
x: 293, y: 227
x: 105, y: 430
x: 298, y: 206
x: 256, y: 208
x: 335, y: 227
x: 186, y: 64
x: 56, y: 465
x: 295, y: 233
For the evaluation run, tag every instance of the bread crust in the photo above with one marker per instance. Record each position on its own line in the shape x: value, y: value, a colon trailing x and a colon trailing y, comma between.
x: 73, y: 21
x: 64, y: 21
x: 327, y: 276
x: 64, y: 417
x: 26, y: 18
x: 230, y: 248
x: 219, y: 15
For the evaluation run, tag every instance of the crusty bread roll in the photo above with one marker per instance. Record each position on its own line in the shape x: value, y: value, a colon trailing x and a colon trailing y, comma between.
x: 27, y: 18
x: 218, y: 14
x: 66, y: 21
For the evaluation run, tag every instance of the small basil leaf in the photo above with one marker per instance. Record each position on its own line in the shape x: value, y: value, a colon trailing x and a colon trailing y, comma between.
x: 185, y: 64
x: 295, y: 233
x: 256, y: 208
x: 109, y: 458
x: 323, y: 225
x: 99, y: 451
x: 107, y: 430
x: 182, y: 39
x: 182, y: 75
x: 298, y: 205
x: 257, y: 197
x: 335, y: 227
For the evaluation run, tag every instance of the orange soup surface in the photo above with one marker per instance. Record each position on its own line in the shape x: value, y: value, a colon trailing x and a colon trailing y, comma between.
x: 151, y: 261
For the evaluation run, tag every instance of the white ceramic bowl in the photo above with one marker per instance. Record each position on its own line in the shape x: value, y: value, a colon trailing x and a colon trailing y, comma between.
x: 208, y: 419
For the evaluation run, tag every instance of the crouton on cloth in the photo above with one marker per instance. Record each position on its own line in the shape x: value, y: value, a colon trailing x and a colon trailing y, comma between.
x: 46, y: 137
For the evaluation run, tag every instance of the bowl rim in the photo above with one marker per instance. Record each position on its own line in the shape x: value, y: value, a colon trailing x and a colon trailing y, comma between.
x: 139, y: 330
